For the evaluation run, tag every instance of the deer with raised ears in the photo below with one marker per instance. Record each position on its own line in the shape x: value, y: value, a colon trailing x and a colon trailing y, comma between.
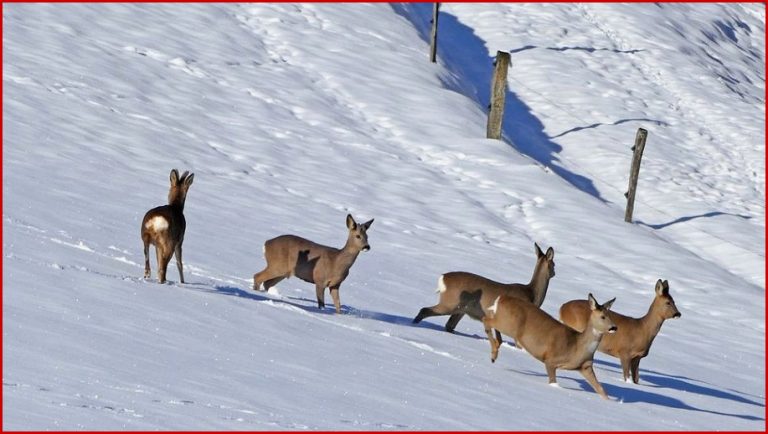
x: 451, y: 285
x: 548, y: 340
x: 326, y: 267
x: 164, y: 227
x: 633, y: 340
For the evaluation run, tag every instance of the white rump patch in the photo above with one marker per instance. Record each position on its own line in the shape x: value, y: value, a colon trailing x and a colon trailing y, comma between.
x: 157, y: 224
x: 441, y: 285
x: 495, y: 306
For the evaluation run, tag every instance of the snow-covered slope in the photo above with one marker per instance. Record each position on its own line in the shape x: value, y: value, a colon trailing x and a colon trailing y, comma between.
x: 292, y: 116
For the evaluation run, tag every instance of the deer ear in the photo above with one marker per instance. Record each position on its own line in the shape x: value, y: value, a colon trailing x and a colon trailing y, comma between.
x: 659, y: 287
x: 592, y: 302
x: 174, y: 177
x: 539, y: 253
x: 188, y: 180
x: 367, y: 224
x: 550, y: 253
x: 351, y: 222
x: 609, y: 303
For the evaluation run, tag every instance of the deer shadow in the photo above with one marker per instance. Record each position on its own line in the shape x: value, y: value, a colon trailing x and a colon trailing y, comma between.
x: 466, y: 55
x: 299, y: 302
x: 632, y: 394
x: 659, y: 380
x: 693, y: 217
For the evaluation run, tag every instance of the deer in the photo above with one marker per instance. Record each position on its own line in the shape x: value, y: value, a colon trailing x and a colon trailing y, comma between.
x: 326, y: 267
x: 164, y: 227
x: 451, y: 285
x: 633, y: 340
x: 548, y: 340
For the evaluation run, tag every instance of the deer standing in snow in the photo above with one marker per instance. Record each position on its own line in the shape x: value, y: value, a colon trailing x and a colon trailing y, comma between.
x: 326, y: 267
x: 633, y: 340
x: 548, y: 340
x: 164, y: 227
x: 451, y: 285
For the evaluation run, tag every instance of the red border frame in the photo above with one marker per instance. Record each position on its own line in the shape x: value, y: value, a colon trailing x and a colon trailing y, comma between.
x: 2, y: 173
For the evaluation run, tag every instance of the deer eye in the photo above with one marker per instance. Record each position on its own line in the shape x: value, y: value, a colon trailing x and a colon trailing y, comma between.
x: 602, y: 317
x: 358, y: 236
x: 669, y: 303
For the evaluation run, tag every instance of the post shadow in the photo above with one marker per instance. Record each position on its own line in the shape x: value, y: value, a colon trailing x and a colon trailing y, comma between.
x: 467, y: 56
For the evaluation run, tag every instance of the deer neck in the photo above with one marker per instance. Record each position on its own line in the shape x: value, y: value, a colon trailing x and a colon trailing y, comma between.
x: 539, y: 283
x: 652, y: 321
x: 588, y: 340
x: 347, y: 255
x: 176, y: 201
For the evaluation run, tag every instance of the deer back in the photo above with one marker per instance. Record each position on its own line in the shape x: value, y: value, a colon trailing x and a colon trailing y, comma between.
x: 455, y: 283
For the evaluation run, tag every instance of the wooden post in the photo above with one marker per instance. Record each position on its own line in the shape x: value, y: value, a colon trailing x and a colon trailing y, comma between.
x: 498, y: 94
x: 635, y: 172
x: 433, y: 34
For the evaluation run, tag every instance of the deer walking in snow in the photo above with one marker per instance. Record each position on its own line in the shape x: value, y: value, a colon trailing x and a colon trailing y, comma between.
x: 551, y: 342
x: 326, y: 267
x: 451, y: 285
x: 164, y: 227
x: 633, y: 340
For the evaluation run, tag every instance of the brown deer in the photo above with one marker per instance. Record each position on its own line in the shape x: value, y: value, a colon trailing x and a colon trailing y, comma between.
x: 633, y: 340
x: 164, y: 227
x: 548, y: 340
x: 451, y: 285
x: 326, y: 267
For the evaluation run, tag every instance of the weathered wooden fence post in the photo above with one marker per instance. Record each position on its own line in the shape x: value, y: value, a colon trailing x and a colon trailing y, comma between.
x: 498, y: 94
x: 635, y: 172
x: 433, y: 34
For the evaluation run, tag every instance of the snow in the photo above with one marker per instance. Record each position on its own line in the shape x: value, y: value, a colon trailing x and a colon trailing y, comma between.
x: 292, y: 116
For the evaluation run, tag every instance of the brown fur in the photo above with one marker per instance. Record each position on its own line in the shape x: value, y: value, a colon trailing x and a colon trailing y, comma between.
x: 326, y: 267
x: 553, y: 343
x: 457, y: 282
x: 633, y: 340
x: 168, y: 240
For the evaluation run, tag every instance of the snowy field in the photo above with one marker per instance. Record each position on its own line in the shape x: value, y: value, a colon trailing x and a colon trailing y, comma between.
x: 292, y: 116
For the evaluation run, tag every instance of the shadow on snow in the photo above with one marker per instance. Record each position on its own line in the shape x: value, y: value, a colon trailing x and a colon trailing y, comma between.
x: 630, y: 394
x: 466, y: 55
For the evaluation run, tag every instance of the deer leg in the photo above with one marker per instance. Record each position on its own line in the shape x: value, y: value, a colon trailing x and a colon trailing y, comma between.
x: 161, y: 263
x: 427, y: 312
x: 494, y: 343
x: 164, y: 258
x: 453, y: 321
x: 335, y: 296
x: 551, y: 373
x: 147, y: 271
x: 179, y: 264
x: 635, y: 370
x: 625, y: 364
x: 264, y: 276
x: 498, y: 338
x: 589, y: 374
x: 320, y: 290
x: 272, y: 282
x: 258, y: 279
